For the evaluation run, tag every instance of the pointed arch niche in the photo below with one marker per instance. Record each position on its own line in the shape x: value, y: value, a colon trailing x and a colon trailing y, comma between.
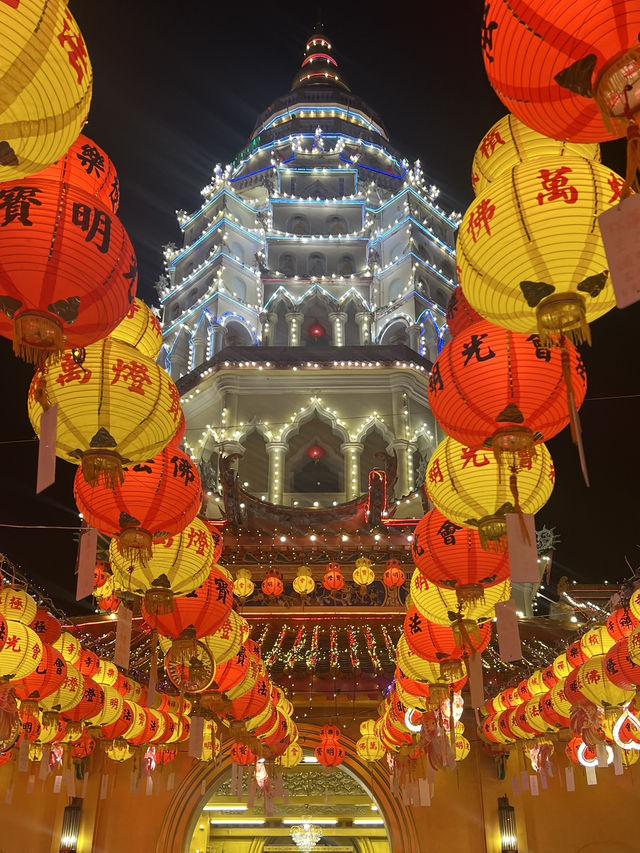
x: 374, y: 442
x: 253, y: 466
x: 307, y: 480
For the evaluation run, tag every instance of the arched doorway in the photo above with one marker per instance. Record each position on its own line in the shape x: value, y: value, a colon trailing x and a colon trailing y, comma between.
x: 183, y: 818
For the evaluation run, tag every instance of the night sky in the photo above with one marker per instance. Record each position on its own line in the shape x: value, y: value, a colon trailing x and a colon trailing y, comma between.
x: 177, y: 89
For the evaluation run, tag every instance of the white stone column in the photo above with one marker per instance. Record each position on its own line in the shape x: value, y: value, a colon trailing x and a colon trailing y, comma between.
x: 276, y: 451
x: 294, y: 322
x: 363, y: 320
x: 219, y: 335
x: 404, y: 451
x: 351, y: 451
x: 414, y: 333
x: 338, y: 322
x: 270, y: 325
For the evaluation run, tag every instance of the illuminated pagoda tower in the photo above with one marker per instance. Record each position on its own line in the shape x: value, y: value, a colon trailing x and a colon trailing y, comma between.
x: 304, y: 310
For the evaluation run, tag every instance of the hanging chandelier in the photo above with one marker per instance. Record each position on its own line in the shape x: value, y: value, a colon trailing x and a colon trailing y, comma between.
x: 305, y: 836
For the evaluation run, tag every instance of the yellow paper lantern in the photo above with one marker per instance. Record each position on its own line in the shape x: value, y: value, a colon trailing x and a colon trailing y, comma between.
x: 260, y: 719
x: 370, y: 748
x: 533, y: 717
x: 283, y: 703
x: 471, y: 488
x: 46, y: 85
x: 107, y: 673
x: 243, y: 586
x: 69, y: 648
x: 510, y: 142
x: 423, y: 671
x: 561, y: 666
x: 413, y: 701
x: 118, y: 750
x: 594, y: 684
x: 51, y: 728
x: 559, y: 701
x: 68, y: 695
x: 596, y: 641
x: 529, y: 250
x: 21, y: 653
x: 303, y: 583
x: 104, y: 591
x: 363, y: 574
x: 291, y: 757
x: 178, y: 565
x: 463, y: 747
x: 248, y: 682
x: 139, y: 722
x: 634, y: 604
x: 140, y: 329
x: 227, y: 639
x: 535, y: 683
x: 17, y: 605
x: 441, y: 606
x: 111, y: 710
x: 115, y: 407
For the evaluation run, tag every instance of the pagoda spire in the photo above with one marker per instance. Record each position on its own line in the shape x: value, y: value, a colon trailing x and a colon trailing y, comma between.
x: 319, y: 67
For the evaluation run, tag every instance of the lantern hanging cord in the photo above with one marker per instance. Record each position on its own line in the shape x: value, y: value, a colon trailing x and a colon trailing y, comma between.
x: 41, y: 526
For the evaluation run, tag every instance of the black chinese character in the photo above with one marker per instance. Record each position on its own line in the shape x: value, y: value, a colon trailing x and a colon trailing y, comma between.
x: 95, y: 222
x: 91, y: 159
x: 543, y: 353
x: 488, y: 28
x: 448, y: 532
x: 16, y: 203
x: 183, y: 468
x: 435, y: 379
x: 473, y: 348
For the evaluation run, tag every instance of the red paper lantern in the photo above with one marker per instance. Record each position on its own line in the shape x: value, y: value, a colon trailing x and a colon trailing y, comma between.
x: 81, y: 273
x: 272, y: 585
x: 576, y: 655
x: 122, y: 724
x: 330, y: 753
x: 234, y: 671
x: 242, y: 755
x: 451, y: 556
x: 437, y: 643
x: 253, y: 702
x: 316, y: 452
x: 110, y: 604
x: 620, y: 668
x: 31, y: 725
x: 46, y: 626
x: 393, y: 577
x: 203, y: 610
x: 83, y: 747
x: 549, y: 677
x: 621, y: 623
x: 554, y: 63
x: 48, y: 677
x: 158, y: 498
x: 316, y: 331
x: 92, y: 702
x: 333, y: 580
x: 460, y: 314
x: 86, y: 167
x: 494, y: 388
x: 89, y: 663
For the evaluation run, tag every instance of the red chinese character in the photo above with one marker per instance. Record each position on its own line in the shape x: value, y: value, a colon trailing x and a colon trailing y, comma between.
x: 71, y: 683
x: 435, y: 473
x: 480, y: 218
x: 175, y: 409
x: 15, y: 603
x: 467, y: 455
x: 475, y: 177
x: 616, y: 183
x: 36, y: 653
x: 556, y: 186
x: 199, y: 539
x: 13, y: 643
x: 593, y: 677
x: 75, y: 47
x: 525, y: 460
x: 72, y: 371
x: 132, y: 372
x: 490, y: 143
x: 552, y: 474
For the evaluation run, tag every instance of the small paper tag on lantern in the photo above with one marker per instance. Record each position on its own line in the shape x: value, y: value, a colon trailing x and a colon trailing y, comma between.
x: 87, y: 553
x: 533, y: 785
x: 57, y: 784
x: 123, y: 637
x: 149, y: 786
x: 592, y: 778
x: 47, y: 449
x: 476, y: 682
x: 523, y: 552
x: 196, y: 737
x: 570, y: 779
x: 618, y: 769
x: 524, y: 780
x: 424, y: 792
x: 619, y: 229
x: 104, y: 787
x: 602, y: 755
x: 23, y: 756
x: 44, y: 769
x: 515, y: 786
x: 31, y: 784
x: 508, y: 631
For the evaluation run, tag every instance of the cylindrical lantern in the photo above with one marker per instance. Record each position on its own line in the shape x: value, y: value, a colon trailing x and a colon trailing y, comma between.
x: 303, y: 583
x: 88, y: 168
x: 440, y: 605
x: 141, y: 329
x: 21, y: 653
x: 115, y: 407
x: 363, y: 574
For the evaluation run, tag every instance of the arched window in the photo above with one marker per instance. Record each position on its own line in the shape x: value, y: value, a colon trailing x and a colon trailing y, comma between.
x: 346, y: 266
x: 299, y: 225
x: 337, y: 226
x: 395, y: 333
x: 253, y: 466
x: 287, y: 265
x: 317, y: 265
x: 309, y: 477
x: 237, y: 335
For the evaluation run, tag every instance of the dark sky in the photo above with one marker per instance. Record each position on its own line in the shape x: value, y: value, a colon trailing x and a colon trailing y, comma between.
x: 177, y: 89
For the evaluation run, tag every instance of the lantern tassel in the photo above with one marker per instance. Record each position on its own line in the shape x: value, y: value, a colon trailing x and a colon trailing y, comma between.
x: 37, y: 338
x: 574, y: 417
x: 470, y: 595
x: 451, y: 669
x: 631, y: 183
x: 103, y: 466
x: 135, y: 545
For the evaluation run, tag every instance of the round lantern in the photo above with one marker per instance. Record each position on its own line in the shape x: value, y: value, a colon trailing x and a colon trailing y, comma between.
x: 620, y: 667
x: 596, y: 641
x: 179, y: 565
x: 31, y: 724
x: 496, y: 389
x: 91, y: 703
x: 16, y: 604
x: 82, y: 273
x: 315, y: 452
x: 47, y: 79
x: 111, y: 710
x: 108, y: 674
x: 272, y: 585
x: 460, y: 314
x: 370, y: 748
x: 442, y: 606
x: 451, y: 556
x: 226, y: 640
x: 242, y: 755
x: 89, y: 663
x: 427, y: 672
x: 463, y: 747
x: 87, y: 167
x: 69, y: 647
x: 510, y: 142
x: 141, y: 329
x: 46, y: 626
x: 316, y: 332
x: 118, y: 751
x: 115, y: 407
x: 576, y: 655
x: 303, y: 583
x: 291, y: 757
x: 363, y: 574
x: 470, y: 488
x: 243, y: 586
x: 110, y: 604
x: 568, y: 70
x: 253, y: 702
x: 68, y: 694
x: 621, y: 623
x: 21, y: 653
x: 45, y: 679
x: 199, y: 613
x: 393, y: 577
x: 444, y: 645
x: 530, y: 253
x: 84, y: 747
x: 595, y: 685
x: 156, y: 499
x: 234, y: 671
x: 333, y: 580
